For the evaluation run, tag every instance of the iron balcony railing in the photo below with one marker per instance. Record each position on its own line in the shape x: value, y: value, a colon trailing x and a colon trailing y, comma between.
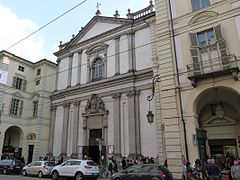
x: 216, y: 65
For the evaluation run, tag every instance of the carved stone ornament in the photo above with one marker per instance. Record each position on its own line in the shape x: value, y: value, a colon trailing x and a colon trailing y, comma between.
x: 130, y: 93
x: 66, y: 105
x: 31, y: 136
x: 95, y: 105
x: 116, y: 96
x: 219, y: 112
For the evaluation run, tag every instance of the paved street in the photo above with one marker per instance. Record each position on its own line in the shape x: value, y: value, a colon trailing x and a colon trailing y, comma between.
x: 19, y: 177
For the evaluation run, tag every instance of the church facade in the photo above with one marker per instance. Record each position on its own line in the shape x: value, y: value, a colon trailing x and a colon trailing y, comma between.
x: 100, y: 103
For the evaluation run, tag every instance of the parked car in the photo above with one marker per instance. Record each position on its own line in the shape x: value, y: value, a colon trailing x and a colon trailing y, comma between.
x: 144, y: 172
x: 79, y: 169
x: 10, y: 166
x: 38, y: 168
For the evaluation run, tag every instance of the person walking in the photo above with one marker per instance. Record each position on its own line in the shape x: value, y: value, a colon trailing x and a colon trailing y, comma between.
x: 235, y: 170
x: 213, y: 170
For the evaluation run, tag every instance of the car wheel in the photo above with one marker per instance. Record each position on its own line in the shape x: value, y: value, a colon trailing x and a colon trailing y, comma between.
x: 79, y: 176
x: 40, y: 174
x: 24, y: 173
x: 117, y: 179
x: 55, y: 175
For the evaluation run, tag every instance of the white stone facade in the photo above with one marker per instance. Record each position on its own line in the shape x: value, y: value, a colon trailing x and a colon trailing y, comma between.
x: 108, y: 98
x: 24, y: 128
x: 198, y: 63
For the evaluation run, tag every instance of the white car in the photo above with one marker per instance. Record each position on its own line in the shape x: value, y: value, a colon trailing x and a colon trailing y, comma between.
x: 38, y: 168
x: 79, y: 169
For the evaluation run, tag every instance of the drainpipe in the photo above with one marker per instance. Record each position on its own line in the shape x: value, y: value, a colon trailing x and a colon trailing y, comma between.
x: 178, y: 82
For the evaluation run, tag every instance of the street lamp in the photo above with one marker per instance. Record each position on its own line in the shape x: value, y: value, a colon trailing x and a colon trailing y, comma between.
x: 150, y: 115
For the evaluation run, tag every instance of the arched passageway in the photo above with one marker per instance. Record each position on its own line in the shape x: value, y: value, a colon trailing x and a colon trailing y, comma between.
x: 218, y: 112
x: 12, y: 145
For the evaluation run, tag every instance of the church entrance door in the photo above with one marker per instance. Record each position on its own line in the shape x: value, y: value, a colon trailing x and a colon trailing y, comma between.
x: 94, y: 152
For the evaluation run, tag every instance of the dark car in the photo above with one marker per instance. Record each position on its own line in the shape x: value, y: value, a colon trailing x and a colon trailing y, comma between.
x: 10, y: 166
x: 144, y: 172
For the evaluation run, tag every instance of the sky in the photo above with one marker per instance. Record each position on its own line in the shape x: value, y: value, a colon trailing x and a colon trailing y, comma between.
x: 18, y: 19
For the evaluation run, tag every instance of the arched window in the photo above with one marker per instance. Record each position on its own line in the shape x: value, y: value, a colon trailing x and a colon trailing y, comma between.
x: 97, y: 69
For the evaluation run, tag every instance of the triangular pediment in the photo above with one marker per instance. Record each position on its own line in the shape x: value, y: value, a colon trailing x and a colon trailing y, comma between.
x: 202, y: 16
x: 215, y: 121
x: 96, y: 26
x: 18, y: 94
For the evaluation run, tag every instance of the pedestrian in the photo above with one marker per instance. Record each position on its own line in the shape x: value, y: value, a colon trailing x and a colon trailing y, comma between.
x: 235, y: 170
x: 110, y: 166
x: 124, y: 162
x: 213, y: 170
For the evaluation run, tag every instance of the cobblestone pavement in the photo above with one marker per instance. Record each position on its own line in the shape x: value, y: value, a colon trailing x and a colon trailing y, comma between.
x: 19, y: 177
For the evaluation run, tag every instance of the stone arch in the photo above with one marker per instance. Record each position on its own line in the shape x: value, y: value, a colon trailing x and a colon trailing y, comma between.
x: 202, y: 16
x: 13, y: 142
x: 217, y: 114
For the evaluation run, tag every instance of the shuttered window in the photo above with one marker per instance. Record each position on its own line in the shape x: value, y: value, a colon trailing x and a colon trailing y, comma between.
x: 19, y: 83
x: 208, y: 50
x: 16, y: 107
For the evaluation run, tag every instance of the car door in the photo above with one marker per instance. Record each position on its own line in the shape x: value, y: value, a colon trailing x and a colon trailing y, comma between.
x: 143, y: 173
x: 37, y: 167
x: 130, y: 173
x: 30, y: 168
x: 64, y: 168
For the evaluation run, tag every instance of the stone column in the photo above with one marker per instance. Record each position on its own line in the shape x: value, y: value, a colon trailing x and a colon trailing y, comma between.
x: 53, y: 110
x: 131, y: 52
x: 79, y: 68
x: 65, y: 130
x: 70, y: 59
x: 117, y: 55
x: 75, y: 130
x: 117, y: 125
x: 131, y: 123
x: 138, y: 125
x: 57, y: 75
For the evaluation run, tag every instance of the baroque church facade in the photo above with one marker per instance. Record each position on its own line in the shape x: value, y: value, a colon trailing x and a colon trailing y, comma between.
x: 104, y: 76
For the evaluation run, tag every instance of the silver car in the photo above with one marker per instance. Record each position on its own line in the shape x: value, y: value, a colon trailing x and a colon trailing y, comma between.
x: 38, y: 168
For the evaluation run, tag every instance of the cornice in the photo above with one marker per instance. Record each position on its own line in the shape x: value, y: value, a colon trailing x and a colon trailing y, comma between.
x: 100, y: 85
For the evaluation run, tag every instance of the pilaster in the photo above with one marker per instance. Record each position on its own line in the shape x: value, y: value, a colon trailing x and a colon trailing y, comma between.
x: 53, y: 110
x: 117, y: 55
x: 70, y: 60
x: 75, y: 130
x: 131, y: 51
x: 117, y: 125
x: 65, y: 129
x: 132, y: 123
x: 79, y: 68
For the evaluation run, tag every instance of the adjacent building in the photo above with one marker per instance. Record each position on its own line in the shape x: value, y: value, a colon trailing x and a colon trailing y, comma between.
x: 104, y: 77
x: 25, y: 88
x: 197, y: 88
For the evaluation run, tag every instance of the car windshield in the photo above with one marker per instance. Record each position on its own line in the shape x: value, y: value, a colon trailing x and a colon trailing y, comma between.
x: 49, y: 163
x: 6, y: 162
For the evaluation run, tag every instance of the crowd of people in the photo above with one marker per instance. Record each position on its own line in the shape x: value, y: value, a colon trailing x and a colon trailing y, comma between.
x: 211, y: 170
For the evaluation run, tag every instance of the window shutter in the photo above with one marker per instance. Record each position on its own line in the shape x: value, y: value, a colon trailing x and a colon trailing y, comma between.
x: 20, y: 108
x: 11, y: 107
x: 24, y: 85
x: 14, y: 81
x: 194, y: 41
x: 222, y: 47
x: 195, y: 59
x: 195, y: 53
x: 218, y: 32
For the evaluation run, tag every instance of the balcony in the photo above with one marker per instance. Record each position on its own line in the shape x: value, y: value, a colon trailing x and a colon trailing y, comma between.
x: 212, y: 68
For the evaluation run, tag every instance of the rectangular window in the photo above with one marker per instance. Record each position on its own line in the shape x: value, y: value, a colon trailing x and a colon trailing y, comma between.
x: 38, y: 72
x: 199, y: 4
x: 21, y: 68
x: 19, y: 83
x: 35, y: 108
x: 37, y: 82
x: 16, y: 107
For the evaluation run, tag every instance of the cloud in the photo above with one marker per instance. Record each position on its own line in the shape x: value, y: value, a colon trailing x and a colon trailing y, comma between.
x: 14, y: 29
